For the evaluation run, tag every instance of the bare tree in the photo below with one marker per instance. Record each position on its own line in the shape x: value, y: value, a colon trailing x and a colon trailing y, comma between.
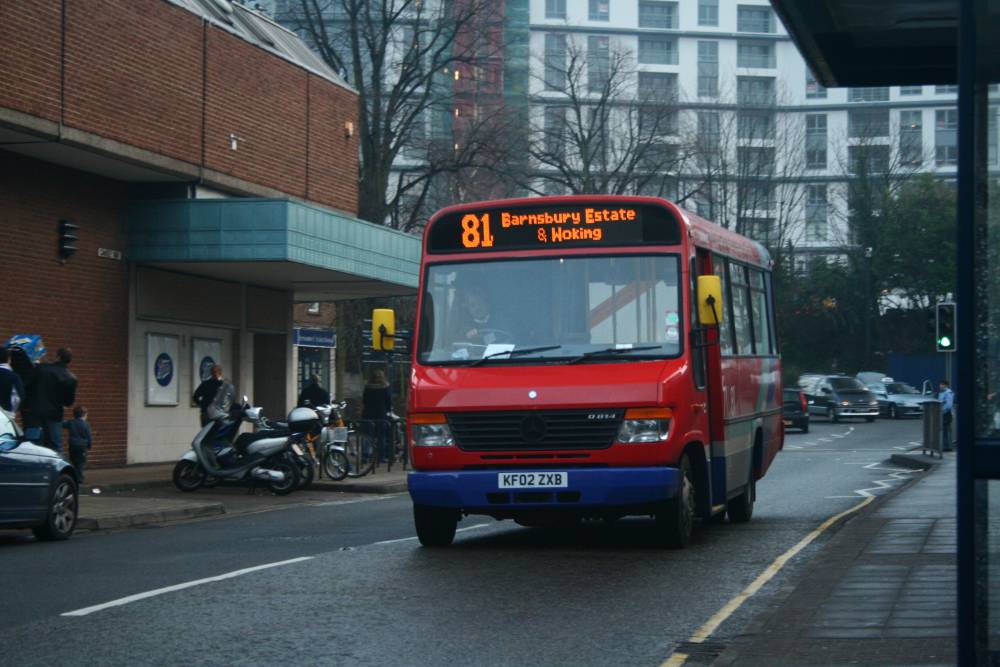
x: 750, y: 166
x: 596, y: 130
x: 407, y: 59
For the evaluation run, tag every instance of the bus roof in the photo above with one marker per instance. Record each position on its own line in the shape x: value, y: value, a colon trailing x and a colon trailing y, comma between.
x: 702, y: 232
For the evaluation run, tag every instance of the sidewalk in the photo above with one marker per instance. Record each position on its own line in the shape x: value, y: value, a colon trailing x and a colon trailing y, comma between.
x: 137, y: 495
x: 881, y: 592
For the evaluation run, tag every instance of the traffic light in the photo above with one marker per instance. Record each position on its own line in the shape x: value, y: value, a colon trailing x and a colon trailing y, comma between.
x: 67, y: 239
x: 945, y: 340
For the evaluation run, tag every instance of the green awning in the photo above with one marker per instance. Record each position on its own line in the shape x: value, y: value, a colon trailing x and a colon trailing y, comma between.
x: 316, y: 253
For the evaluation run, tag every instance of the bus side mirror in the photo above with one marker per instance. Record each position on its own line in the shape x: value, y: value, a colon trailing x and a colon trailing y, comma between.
x: 709, y: 300
x: 383, y: 329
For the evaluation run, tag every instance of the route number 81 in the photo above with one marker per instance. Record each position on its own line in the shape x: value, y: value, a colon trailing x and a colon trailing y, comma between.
x: 476, y: 231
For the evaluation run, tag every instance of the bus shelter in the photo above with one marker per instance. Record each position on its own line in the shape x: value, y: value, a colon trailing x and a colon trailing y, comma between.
x: 944, y: 42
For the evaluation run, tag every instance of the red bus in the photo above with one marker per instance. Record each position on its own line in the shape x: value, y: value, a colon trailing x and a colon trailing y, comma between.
x: 590, y: 357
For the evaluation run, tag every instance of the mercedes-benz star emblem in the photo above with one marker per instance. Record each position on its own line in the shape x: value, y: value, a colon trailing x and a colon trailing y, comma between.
x: 533, y: 428
x: 532, y: 394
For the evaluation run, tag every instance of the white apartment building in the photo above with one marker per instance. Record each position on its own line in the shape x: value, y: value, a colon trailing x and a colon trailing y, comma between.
x: 733, y: 57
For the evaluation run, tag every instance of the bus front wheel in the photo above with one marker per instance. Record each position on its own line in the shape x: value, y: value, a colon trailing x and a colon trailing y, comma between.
x: 435, y: 525
x: 675, y: 519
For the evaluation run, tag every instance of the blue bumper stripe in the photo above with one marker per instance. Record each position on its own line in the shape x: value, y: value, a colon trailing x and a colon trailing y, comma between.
x: 597, y: 487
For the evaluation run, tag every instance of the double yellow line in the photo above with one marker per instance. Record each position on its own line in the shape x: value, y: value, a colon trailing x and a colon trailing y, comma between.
x: 712, y: 624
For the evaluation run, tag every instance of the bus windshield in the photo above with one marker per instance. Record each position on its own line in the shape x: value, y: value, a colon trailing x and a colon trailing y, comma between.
x: 551, y: 310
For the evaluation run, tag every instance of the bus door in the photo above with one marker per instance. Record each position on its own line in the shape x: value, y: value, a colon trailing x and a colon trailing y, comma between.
x: 708, y: 265
x: 706, y: 378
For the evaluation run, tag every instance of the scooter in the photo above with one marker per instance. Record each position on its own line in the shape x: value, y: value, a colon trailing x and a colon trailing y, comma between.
x: 267, y: 455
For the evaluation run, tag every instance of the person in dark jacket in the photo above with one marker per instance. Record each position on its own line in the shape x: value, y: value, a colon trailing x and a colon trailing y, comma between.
x: 52, y: 388
x: 313, y: 394
x: 205, y: 394
x: 80, y: 439
x: 376, y: 404
x: 11, y: 387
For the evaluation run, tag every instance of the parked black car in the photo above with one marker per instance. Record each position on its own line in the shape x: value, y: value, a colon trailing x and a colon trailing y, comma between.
x: 38, y: 489
x: 793, y: 410
x: 837, y: 396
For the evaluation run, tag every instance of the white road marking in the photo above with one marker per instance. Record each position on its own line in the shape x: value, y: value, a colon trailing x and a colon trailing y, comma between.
x: 824, y: 439
x: 896, y: 475
x: 407, y: 539
x: 179, y: 587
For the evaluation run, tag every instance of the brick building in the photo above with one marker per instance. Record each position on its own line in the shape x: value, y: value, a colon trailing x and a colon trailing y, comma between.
x: 210, y: 162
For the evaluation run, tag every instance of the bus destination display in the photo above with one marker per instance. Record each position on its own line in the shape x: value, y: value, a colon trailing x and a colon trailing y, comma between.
x: 552, y: 227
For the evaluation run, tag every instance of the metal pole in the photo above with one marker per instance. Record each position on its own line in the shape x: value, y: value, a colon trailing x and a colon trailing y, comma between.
x: 965, y: 264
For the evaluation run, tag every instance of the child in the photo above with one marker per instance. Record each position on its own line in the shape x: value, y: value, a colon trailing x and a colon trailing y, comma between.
x: 79, y: 439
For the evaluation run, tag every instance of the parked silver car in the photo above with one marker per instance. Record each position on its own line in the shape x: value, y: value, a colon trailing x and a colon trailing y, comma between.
x: 898, y: 399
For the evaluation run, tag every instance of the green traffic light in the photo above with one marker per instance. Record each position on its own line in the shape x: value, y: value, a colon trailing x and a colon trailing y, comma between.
x: 945, y: 341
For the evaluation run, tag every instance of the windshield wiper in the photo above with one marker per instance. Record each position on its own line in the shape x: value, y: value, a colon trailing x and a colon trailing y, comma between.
x: 611, y: 351
x: 512, y: 353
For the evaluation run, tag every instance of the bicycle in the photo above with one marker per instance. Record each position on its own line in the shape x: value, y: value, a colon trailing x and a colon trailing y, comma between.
x: 360, y: 450
x: 397, y: 443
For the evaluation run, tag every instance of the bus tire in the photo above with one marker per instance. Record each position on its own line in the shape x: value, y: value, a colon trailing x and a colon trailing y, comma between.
x: 740, y: 508
x: 675, y: 518
x: 435, y: 525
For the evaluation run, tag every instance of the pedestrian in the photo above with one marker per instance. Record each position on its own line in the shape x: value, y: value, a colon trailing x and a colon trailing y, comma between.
x: 80, y: 439
x: 11, y: 387
x: 206, y: 392
x: 52, y: 388
x: 376, y: 404
x: 313, y: 394
x: 947, y: 398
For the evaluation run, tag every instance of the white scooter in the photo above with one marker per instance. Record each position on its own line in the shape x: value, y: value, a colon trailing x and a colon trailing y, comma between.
x: 267, y: 455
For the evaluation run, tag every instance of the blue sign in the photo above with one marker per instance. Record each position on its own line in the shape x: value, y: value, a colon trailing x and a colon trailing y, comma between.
x: 315, y: 337
x: 30, y: 343
x: 163, y: 369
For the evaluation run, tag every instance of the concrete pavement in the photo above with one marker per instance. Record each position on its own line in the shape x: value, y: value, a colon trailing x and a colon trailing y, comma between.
x: 130, y: 496
x: 881, y: 592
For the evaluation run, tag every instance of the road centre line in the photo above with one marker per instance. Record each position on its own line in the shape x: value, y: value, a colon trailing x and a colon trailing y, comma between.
x: 710, y: 626
x: 178, y: 587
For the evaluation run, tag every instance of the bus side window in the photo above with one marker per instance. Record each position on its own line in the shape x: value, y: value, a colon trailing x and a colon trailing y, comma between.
x: 741, y: 308
x: 758, y: 309
x: 726, y: 328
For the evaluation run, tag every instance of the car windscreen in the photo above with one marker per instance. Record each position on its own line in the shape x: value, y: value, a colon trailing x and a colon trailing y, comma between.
x: 900, y: 388
x: 551, y: 310
x: 846, y: 384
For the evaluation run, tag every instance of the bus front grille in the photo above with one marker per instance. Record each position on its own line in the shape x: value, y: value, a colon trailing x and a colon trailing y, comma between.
x: 541, y: 430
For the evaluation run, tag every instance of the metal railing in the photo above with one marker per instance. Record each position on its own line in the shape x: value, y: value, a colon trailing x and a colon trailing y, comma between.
x: 932, y: 429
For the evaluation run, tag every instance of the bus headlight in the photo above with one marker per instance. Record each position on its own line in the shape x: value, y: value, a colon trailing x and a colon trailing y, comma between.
x: 644, y: 425
x: 430, y: 430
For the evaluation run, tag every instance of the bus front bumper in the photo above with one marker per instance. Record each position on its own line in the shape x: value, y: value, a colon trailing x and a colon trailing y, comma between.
x: 481, y: 490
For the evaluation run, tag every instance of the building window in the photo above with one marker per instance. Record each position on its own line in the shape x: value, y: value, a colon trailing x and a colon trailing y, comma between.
x: 872, y: 94
x: 816, y: 141
x: 755, y: 91
x: 993, y: 147
x: 555, y: 9
x: 708, y: 12
x: 946, y: 137
x: 754, y: 19
x: 946, y: 90
x: 759, y: 229
x: 555, y: 130
x: 817, y: 229
x: 756, y: 197
x: 814, y: 91
x: 866, y: 123
x: 755, y: 124
x: 657, y: 121
x: 659, y: 86
x: 755, y: 160
x: 657, y: 50
x: 911, y: 90
x: 868, y: 159
x: 911, y: 142
x: 555, y: 62
x: 598, y: 63
x: 708, y: 69
x: 754, y: 53
x: 659, y: 156
x: 708, y: 136
x: 599, y: 10
x: 654, y: 14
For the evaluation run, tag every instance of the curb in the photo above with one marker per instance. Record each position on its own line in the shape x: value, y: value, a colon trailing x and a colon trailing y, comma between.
x: 396, y: 486
x: 915, y: 461
x: 146, y: 518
